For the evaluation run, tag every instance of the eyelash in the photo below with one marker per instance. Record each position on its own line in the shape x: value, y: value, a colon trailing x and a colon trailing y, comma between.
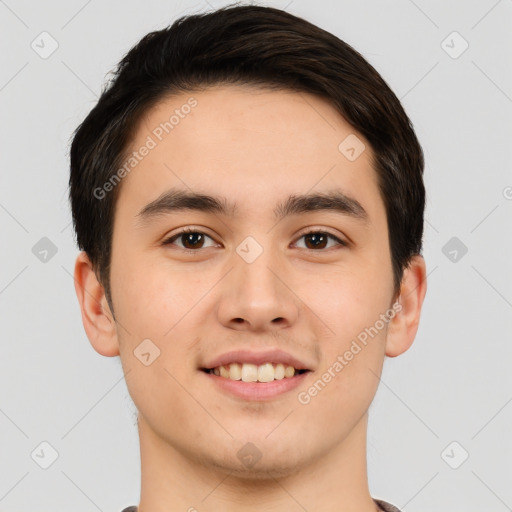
x: 170, y: 240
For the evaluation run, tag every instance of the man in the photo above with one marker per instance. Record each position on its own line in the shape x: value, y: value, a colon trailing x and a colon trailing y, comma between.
x: 248, y: 198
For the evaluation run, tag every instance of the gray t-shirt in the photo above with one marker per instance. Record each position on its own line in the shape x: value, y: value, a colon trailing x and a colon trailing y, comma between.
x: 383, y: 505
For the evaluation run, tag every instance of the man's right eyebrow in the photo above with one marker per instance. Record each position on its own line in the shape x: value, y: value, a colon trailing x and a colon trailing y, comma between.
x: 176, y: 199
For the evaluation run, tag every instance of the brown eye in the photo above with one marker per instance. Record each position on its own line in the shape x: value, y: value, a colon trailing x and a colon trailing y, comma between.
x: 319, y: 240
x: 191, y: 240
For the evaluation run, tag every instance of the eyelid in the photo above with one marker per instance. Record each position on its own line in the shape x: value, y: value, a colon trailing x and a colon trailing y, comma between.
x: 327, y: 231
x: 169, y: 240
x: 342, y: 241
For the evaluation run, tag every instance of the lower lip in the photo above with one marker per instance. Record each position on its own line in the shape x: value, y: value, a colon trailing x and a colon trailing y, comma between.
x: 257, y: 390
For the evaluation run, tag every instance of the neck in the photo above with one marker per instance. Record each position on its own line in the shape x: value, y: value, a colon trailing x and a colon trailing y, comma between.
x: 333, y: 481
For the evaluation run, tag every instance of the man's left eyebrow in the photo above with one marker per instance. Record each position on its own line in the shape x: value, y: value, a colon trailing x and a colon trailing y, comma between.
x: 175, y: 200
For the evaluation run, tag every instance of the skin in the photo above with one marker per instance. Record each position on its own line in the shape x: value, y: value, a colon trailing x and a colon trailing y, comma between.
x: 256, y: 147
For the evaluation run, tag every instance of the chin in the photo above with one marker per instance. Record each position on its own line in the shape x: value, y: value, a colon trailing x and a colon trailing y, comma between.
x: 255, y: 459
x: 263, y: 470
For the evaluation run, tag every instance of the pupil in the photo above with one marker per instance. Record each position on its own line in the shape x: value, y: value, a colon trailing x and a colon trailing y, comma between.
x: 190, y: 236
x: 317, y: 237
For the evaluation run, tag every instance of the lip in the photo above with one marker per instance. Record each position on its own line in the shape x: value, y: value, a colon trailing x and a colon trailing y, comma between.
x: 249, y: 356
x: 256, y: 391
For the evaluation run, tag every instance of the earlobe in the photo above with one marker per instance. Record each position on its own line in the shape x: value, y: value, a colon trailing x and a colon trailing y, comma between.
x: 97, y: 318
x: 403, y: 327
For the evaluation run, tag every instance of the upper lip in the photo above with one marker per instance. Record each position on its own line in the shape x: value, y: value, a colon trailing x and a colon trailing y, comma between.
x: 250, y: 356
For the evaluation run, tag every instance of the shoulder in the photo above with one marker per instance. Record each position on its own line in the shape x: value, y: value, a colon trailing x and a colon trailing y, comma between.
x: 383, y: 505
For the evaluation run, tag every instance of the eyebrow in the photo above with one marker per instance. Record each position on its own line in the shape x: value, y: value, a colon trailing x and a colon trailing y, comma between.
x: 176, y: 199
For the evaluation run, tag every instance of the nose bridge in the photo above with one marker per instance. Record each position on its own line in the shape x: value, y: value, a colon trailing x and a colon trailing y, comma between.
x: 256, y: 292
x: 257, y: 267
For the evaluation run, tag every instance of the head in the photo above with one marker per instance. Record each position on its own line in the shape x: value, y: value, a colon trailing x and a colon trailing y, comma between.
x: 256, y: 107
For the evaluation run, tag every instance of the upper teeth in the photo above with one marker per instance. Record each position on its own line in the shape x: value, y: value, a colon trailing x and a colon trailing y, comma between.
x: 248, y: 372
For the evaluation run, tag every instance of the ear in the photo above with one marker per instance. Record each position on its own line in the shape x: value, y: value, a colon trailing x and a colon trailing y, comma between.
x: 97, y: 318
x: 403, y: 326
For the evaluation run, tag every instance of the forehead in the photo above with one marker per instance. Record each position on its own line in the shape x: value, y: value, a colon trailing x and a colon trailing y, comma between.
x: 250, y: 145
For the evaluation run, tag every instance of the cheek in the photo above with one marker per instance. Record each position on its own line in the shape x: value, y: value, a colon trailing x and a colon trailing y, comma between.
x: 157, y: 305
x: 352, y: 357
x: 151, y: 298
x: 349, y: 302
x: 353, y: 347
x: 151, y: 306
x: 341, y: 398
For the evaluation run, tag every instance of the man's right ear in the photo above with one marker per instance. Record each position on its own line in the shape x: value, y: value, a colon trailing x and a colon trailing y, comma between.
x: 99, y: 323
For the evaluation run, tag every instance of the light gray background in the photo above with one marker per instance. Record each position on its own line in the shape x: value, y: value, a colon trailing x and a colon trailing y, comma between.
x: 454, y: 384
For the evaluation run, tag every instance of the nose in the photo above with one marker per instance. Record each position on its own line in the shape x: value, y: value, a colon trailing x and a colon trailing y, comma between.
x: 256, y: 295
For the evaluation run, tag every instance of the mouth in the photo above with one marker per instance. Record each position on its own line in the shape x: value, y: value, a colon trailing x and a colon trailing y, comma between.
x: 256, y: 375
x: 255, y: 383
x: 249, y: 372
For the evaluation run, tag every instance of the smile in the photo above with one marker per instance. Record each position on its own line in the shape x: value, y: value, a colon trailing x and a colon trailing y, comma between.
x: 248, y: 372
x: 275, y: 380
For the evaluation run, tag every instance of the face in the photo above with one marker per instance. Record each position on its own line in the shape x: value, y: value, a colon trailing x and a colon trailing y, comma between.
x: 254, y: 281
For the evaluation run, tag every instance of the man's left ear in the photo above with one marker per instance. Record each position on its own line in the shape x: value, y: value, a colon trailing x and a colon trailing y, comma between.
x: 403, y: 326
